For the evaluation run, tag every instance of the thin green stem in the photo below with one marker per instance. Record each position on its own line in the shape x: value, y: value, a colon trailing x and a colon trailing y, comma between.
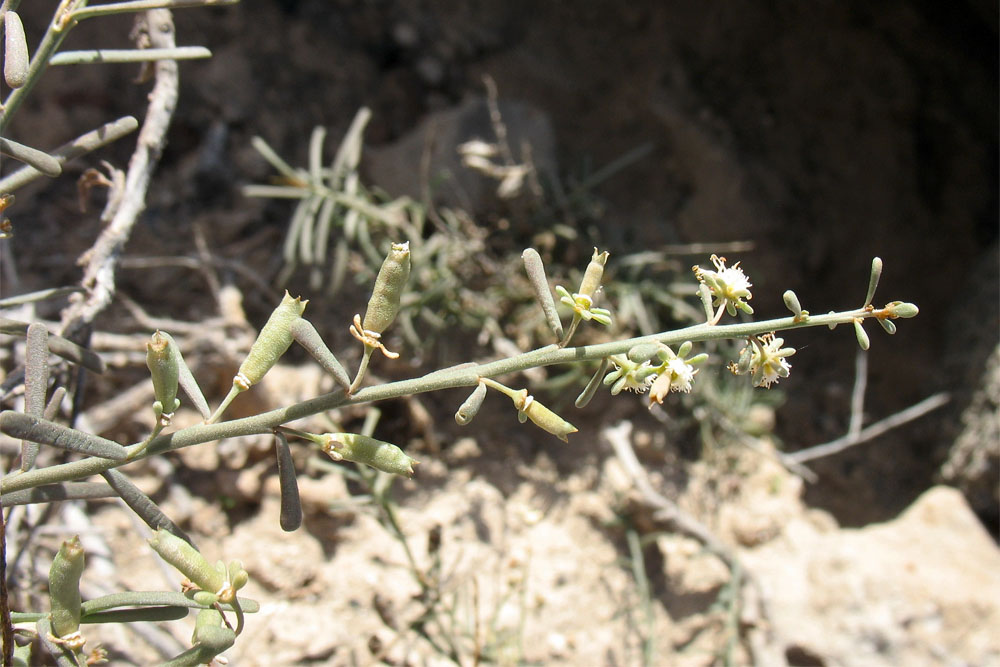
x: 363, y: 368
x: 463, y: 375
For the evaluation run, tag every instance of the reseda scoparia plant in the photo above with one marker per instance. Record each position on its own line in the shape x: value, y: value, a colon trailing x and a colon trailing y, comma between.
x: 658, y: 364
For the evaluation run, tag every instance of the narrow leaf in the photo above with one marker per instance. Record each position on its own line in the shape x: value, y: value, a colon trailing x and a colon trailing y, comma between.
x: 291, y: 506
x: 43, y: 431
x: 141, y: 504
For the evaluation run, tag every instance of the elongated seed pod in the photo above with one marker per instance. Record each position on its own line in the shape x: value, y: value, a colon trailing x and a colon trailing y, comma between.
x: 15, y: 51
x: 548, y: 420
x: 383, y: 306
x: 595, y: 383
x: 595, y: 271
x: 185, y: 378
x: 306, y: 335
x: 187, y: 560
x: 290, y: 516
x: 64, y: 587
x: 380, y: 455
x: 540, y: 286
x: 273, y: 341
x: 165, y: 371
x: 470, y: 408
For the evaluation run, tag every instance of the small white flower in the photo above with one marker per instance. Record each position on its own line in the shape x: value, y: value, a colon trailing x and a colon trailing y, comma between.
x: 768, y: 363
x: 729, y: 287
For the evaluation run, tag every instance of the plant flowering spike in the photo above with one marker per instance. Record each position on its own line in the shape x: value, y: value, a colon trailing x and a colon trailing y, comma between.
x: 378, y: 454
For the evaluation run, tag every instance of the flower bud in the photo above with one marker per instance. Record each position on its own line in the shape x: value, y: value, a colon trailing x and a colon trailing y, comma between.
x: 471, y: 406
x: 383, y: 306
x: 188, y: 561
x: 64, y: 588
x: 902, y: 309
x: 273, y: 341
x: 792, y: 303
x: 164, y: 369
x: 380, y: 455
x: 595, y: 271
x: 644, y: 352
x: 873, y: 279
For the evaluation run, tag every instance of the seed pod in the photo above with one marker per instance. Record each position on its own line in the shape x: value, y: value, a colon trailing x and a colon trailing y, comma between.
x: 15, y: 51
x: 64, y: 588
x: 540, y: 286
x: 542, y: 416
x: 383, y: 306
x: 188, y: 561
x: 595, y: 271
x: 164, y: 370
x: 273, y: 341
x: 471, y: 406
x: 380, y: 455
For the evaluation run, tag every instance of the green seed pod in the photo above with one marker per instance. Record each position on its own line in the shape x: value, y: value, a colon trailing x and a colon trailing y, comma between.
x: 188, y: 561
x: 165, y: 371
x: 595, y: 271
x: 383, y: 306
x: 471, y: 406
x: 15, y: 51
x: 549, y: 420
x: 273, y: 341
x: 64, y: 588
x: 380, y: 455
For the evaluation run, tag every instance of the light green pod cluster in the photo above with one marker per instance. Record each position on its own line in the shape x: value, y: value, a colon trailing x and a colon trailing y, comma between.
x: 383, y: 306
x: 378, y: 454
x: 272, y: 342
x: 64, y: 592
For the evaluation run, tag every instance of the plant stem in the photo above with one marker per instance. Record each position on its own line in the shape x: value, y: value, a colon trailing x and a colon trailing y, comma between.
x: 463, y: 375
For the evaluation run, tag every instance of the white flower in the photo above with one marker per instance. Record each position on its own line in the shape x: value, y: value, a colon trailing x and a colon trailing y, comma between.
x: 768, y: 363
x: 729, y: 287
